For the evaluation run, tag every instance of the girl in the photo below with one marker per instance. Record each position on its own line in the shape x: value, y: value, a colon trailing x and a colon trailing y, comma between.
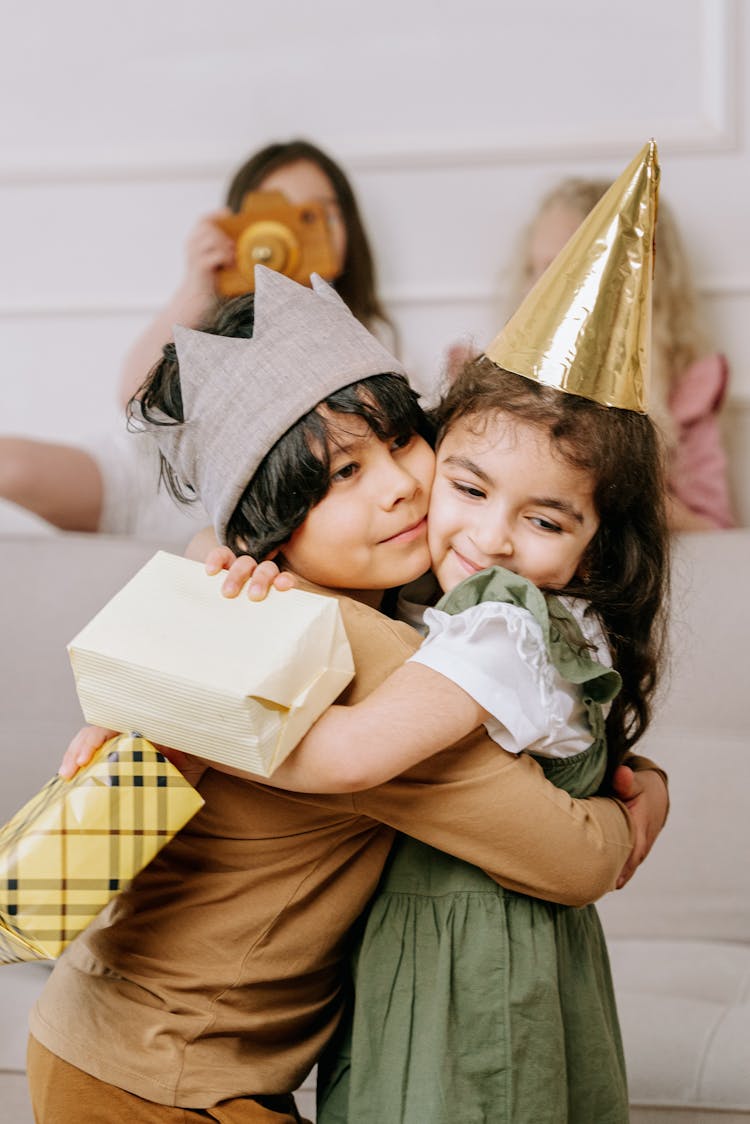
x: 688, y: 383
x: 215, y: 982
x: 547, y: 530
x: 303, y: 173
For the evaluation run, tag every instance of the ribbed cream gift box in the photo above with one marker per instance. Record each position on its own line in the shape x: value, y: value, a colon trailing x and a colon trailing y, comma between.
x: 232, y: 680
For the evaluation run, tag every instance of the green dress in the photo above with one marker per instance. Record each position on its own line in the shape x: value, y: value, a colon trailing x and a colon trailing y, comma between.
x: 475, y: 1004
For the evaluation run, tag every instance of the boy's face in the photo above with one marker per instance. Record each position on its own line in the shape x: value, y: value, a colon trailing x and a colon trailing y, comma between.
x: 369, y: 532
x: 506, y: 497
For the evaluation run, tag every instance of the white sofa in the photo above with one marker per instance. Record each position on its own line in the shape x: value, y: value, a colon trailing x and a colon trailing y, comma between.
x: 679, y: 933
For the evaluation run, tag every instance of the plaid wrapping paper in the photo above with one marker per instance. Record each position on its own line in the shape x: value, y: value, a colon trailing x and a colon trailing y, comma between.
x: 77, y: 843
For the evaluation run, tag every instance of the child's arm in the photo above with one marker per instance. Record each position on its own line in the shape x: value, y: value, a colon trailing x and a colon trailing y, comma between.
x: 414, y: 714
x: 208, y: 249
x: 85, y: 743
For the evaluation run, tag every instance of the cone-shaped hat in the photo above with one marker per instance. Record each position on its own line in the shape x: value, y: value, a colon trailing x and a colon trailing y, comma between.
x: 585, y: 327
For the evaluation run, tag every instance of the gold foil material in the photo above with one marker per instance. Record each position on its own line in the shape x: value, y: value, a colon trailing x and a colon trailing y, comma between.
x: 77, y: 843
x: 585, y: 327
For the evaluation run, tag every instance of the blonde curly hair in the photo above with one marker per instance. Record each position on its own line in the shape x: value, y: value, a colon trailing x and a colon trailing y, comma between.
x: 678, y: 333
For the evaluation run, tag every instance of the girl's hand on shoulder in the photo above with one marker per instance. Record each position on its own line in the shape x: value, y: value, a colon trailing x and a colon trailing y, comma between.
x: 82, y: 748
x: 260, y: 575
x: 645, y: 796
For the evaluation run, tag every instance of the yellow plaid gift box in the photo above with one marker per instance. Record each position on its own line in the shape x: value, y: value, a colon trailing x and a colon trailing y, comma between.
x: 77, y: 843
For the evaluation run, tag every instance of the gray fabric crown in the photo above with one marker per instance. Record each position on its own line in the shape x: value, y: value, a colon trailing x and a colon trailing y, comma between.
x: 240, y: 396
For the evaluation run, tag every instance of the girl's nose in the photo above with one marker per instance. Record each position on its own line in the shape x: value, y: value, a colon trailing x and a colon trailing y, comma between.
x: 493, y: 537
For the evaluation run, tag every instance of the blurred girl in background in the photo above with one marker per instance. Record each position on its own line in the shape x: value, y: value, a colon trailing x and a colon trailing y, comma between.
x: 110, y: 485
x: 688, y: 382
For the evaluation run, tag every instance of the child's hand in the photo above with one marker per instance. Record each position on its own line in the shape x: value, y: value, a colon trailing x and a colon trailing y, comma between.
x: 242, y: 569
x: 208, y: 249
x: 82, y: 748
x: 88, y: 739
x: 645, y: 795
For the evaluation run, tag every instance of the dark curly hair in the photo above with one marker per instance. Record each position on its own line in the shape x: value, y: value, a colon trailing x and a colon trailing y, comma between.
x: 295, y: 474
x: 627, y: 561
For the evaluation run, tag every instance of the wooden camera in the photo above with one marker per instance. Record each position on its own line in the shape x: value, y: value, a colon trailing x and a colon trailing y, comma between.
x: 271, y: 231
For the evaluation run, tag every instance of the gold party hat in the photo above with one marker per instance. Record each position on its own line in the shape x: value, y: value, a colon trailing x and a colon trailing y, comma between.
x: 585, y: 327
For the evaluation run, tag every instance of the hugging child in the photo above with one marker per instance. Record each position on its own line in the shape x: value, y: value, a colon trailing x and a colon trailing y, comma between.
x: 210, y: 987
x: 474, y: 1001
x: 547, y: 530
x: 548, y: 534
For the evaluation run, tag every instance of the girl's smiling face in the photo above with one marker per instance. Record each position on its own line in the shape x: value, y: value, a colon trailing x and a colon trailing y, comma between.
x: 369, y: 532
x: 504, y: 495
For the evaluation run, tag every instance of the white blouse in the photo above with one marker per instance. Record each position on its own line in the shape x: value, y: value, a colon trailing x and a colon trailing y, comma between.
x: 496, y: 653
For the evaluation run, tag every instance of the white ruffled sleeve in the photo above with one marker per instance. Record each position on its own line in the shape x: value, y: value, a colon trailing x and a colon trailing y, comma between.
x: 496, y: 653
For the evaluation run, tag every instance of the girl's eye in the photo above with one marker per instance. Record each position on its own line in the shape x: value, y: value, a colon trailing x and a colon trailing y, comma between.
x: 402, y: 441
x: 546, y: 524
x: 344, y: 473
x: 469, y: 490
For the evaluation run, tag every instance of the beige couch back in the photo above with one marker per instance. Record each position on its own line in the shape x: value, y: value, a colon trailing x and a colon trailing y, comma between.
x: 49, y: 588
x: 696, y: 882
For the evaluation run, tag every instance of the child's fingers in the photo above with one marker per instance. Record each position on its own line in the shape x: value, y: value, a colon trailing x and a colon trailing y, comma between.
x: 213, y: 245
x: 625, y: 784
x: 241, y: 570
x: 264, y: 577
x: 220, y: 558
x: 285, y: 580
x: 82, y: 748
x: 238, y: 573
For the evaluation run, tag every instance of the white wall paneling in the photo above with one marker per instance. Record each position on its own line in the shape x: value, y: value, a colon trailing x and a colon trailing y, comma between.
x: 123, y: 124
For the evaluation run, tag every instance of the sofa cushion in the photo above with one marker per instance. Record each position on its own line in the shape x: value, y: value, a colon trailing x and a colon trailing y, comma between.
x: 50, y: 588
x: 685, y: 1012
x: 696, y: 881
x: 21, y: 984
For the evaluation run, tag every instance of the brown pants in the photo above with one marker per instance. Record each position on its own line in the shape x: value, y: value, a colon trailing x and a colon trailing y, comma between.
x: 62, y: 1094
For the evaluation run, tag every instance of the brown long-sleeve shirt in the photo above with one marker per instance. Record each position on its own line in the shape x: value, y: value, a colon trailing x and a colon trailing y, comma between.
x: 218, y: 973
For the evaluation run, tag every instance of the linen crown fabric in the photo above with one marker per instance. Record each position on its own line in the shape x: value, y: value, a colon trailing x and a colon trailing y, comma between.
x: 241, y: 395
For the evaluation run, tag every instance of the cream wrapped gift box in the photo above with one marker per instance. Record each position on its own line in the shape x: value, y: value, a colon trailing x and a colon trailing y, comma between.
x: 232, y: 680
x: 77, y: 843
